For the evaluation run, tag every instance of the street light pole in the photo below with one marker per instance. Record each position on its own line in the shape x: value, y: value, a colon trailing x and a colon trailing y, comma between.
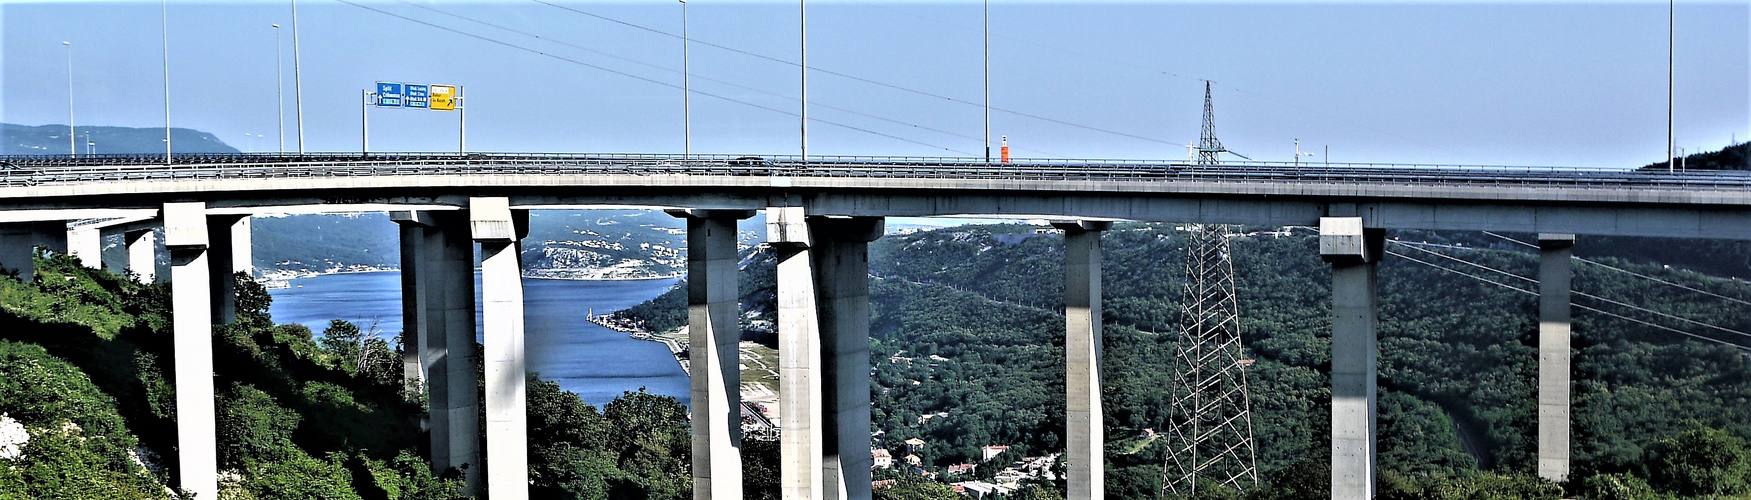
x: 72, y: 142
x: 1671, y: 14
x: 297, y: 79
x: 987, y: 81
x: 164, y: 30
x: 686, y: 90
x: 803, y: 30
x: 280, y: 87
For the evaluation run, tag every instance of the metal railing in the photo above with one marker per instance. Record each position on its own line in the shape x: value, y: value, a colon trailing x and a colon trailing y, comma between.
x: 63, y: 169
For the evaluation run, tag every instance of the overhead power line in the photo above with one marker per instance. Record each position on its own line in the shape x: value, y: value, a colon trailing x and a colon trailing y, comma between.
x: 1638, y: 275
x: 1284, y: 102
x: 1577, y: 306
x: 642, y: 78
x: 855, y: 77
x: 696, y: 75
x: 1580, y: 293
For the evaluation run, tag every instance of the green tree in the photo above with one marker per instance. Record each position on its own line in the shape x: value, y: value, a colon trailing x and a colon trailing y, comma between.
x: 1700, y: 462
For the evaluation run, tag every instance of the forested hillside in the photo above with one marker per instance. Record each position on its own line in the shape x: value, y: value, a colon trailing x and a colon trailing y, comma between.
x: 87, y: 408
x: 968, y: 351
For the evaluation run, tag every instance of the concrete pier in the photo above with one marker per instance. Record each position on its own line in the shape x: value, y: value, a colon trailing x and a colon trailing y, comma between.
x: 841, y: 263
x: 823, y: 335
x: 142, y: 254
x: 229, y: 252
x: 501, y: 282
x: 1554, y: 276
x: 446, y: 280
x: 799, y: 353
x: 186, y: 236
x: 19, y: 241
x: 414, y: 302
x: 714, y: 360
x: 86, y: 244
x: 1354, y: 253
x: 1082, y: 349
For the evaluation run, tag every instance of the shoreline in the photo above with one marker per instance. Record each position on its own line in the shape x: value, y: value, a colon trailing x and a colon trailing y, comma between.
x: 676, y: 347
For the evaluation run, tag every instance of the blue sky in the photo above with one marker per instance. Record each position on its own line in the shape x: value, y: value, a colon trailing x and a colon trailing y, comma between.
x: 1566, y: 83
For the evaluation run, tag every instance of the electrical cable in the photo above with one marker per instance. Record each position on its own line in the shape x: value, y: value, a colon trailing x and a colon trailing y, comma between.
x: 1638, y: 275
x: 1356, y: 124
x: 858, y: 78
x: 697, y: 76
x: 645, y: 79
x: 1577, y: 306
x: 1584, y: 294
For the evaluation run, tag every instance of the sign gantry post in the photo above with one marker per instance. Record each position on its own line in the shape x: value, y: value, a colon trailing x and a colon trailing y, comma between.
x: 414, y: 96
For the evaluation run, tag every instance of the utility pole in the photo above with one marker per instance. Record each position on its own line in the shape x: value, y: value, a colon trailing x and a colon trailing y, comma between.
x: 297, y: 79
x: 280, y: 87
x: 164, y: 27
x: 72, y: 147
x: 803, y: 30
x: 686, y: 91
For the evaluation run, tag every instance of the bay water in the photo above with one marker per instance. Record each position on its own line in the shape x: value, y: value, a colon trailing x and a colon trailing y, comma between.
x: 562, y: 345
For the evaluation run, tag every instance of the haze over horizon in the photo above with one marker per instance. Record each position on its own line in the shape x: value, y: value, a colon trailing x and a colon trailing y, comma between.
x: 1573, y: 84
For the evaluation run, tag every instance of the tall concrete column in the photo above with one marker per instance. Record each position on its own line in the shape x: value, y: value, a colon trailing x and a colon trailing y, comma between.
x: 1554, y: 275
x: 86, y: 244
x: 714, y: 360
x: 1082, y: 349
x: 186, y: 235
x: 799, y: 357
x: 142, y: 254
x: 414, y: 297
x: 19, y: 241
x: 823, y: 316
x: 1354, y: 253
x: 448, y: 356
x: 501, y: 282
x: 228, y: 243
x: 841, y: 262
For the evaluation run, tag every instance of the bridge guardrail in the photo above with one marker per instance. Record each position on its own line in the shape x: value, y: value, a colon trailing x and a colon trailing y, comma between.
x: 62, y: 169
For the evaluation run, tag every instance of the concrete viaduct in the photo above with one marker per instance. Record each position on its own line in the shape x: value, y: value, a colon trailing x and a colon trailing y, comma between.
x: 822, y: 214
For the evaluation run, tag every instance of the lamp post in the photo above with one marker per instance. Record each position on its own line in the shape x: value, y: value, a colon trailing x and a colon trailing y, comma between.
x: 803, y: 31
x: 987, y: 81
x: 280, y: 87
x: 297, y: 78
x: 1671, y: 14
x: 164, y: 30
x: 686, y: 91
x: 72, y: 147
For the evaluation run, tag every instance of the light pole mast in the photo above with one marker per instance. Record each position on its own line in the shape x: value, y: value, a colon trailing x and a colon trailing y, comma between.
x: 1671, y: 36
x: 72, y: 143
x: 686, y: 90
x: 280, y: 87
x: 987, y: 81
x: 164, y: 27
x: 803, y: 10
x: 297, y: 79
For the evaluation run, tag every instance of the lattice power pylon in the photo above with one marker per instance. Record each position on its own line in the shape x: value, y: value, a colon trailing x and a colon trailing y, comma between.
x: 1210, y: 428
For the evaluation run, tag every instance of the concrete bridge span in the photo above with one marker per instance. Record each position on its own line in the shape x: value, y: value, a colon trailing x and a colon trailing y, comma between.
x: 821, y: 216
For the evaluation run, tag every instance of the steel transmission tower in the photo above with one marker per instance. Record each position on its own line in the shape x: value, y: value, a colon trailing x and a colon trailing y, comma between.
x: 1210, y: 426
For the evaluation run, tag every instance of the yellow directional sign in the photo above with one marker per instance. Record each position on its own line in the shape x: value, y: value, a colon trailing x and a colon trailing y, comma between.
x: 444, y: 97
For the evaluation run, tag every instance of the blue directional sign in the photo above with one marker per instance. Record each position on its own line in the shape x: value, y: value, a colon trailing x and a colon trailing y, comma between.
x: 389, y: 95
x: 417, y: 95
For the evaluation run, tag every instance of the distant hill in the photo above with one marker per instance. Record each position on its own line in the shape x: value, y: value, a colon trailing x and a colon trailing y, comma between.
x: 52, y: 140
x: 1735, y: 157
x: 571, y: 244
